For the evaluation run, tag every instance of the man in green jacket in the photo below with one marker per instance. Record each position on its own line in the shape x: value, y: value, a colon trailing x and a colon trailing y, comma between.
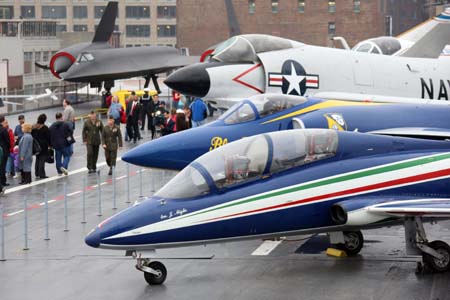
x: 112, y: 140
x: 92, y: 138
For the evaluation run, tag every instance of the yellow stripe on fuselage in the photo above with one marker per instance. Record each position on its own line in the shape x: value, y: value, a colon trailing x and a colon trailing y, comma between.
x: 325, y: 104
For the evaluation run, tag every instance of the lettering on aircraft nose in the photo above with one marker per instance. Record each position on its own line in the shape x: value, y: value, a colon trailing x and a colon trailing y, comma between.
x: 293, y: 79
x: 217, y: 142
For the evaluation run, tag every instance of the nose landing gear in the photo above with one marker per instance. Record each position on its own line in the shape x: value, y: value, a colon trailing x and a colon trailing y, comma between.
x: 155, y: 273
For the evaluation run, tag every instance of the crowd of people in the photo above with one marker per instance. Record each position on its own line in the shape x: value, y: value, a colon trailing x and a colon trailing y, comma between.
x: 54, y: 144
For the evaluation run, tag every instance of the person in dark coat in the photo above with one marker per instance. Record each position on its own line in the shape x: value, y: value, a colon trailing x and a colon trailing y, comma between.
x: 169, y: 124
x: 146, y: 100
x: 133, y: 113
x: 61, y: 139
x: 26, y: 153
x: 5, y: 143
x: 152, y: 107
x: 41, y: 133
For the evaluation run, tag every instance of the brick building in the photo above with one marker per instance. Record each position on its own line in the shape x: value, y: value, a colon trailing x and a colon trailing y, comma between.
x: 203, y: 23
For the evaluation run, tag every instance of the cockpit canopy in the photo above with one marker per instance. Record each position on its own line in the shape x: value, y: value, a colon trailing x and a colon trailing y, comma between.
x: 85, y: 57
x: 259, y: 106
x: 244, y: 48
x: 249, y: 159
x: 381, y: 45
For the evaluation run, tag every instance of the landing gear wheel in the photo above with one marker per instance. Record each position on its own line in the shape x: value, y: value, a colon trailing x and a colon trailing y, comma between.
x: 354, y: 241
x: 438, y: 265
x: 155, y: 279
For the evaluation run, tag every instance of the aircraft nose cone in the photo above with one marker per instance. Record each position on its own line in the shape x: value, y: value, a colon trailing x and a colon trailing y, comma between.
x: 93, y: 239
x: 192, y: 80
x: 162, y: 153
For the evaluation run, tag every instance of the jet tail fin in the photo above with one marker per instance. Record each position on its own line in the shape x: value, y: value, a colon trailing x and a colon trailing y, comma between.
x: 106, y: 26
x: 429, y: 38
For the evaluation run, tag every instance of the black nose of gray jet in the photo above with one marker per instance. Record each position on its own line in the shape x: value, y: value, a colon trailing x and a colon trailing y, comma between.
x: 192, y: 80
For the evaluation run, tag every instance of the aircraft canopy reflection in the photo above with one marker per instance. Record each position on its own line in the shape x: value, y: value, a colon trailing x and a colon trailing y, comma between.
x: 245, y: 48
x: 250, y: 159
x: 259, y: 106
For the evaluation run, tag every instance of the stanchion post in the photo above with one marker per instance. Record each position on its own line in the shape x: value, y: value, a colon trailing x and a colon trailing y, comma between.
x: 47, y: 238
x: 128, y: 183
x: 153, y: 180
x: 114, y: 187
x: 2, y: 231
x: 25, y: 223
x: 66, y: 213
x: 140, y: 182
x: 83, y: 221
x: 99, y: 195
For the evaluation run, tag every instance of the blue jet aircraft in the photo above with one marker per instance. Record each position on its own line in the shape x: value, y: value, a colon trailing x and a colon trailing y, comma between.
x: 275, y: 112
x: 288, y: 183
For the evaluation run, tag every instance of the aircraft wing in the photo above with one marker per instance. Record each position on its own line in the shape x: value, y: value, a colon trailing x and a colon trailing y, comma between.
x: 369, y: 211
x: 416, y: 132
x: 429, y: 38
x: 421, y: 207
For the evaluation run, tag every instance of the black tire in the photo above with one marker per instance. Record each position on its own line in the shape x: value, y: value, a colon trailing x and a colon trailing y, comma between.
x: 153, y: 279
x: 438, y: 265
x: 156, y: 279
x: 354, y: 245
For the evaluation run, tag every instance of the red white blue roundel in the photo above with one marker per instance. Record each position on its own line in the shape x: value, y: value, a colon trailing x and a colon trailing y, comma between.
x: 293, y: 79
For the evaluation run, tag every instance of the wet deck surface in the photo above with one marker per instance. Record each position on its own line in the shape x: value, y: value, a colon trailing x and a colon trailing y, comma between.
x: 65, y: 268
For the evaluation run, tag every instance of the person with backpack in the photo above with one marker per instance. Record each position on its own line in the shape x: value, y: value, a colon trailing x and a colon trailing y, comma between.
x: 26, y: 153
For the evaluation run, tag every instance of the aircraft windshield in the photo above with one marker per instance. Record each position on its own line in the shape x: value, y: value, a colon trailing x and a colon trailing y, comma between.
x: 384, y: 44
x: 85, y: 57
x: 265, y: 105
x: 249, y: 159
x: 244, y: 48
x: 239, y: 113
x: 187, y: 184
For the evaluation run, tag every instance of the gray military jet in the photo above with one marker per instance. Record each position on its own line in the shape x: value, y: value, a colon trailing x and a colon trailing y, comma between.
x: 99, y: 64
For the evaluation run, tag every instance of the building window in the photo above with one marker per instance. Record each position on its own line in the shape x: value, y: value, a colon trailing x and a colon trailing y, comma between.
x: 28, y: 56
x: 128, y: 46
x: 138, y: 30
x: 98, y: 11
x: 61, y: 28
x: 27, y: 62
x: 80, y: 12
x: 167, y: 12
x: 331, y: 6
x: 37, y: 56
x: 301, y: 6
x: 138, y: 12
x: 331, y: 28
x: 251, y: 6
x: 78, y: 28
x: 356, y: 6
x: 27, y: 12
x: 53, y: 12
x: 45, y: 55
x: 6, y: 12
x: 274, y: 6
x: 167, y: 31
